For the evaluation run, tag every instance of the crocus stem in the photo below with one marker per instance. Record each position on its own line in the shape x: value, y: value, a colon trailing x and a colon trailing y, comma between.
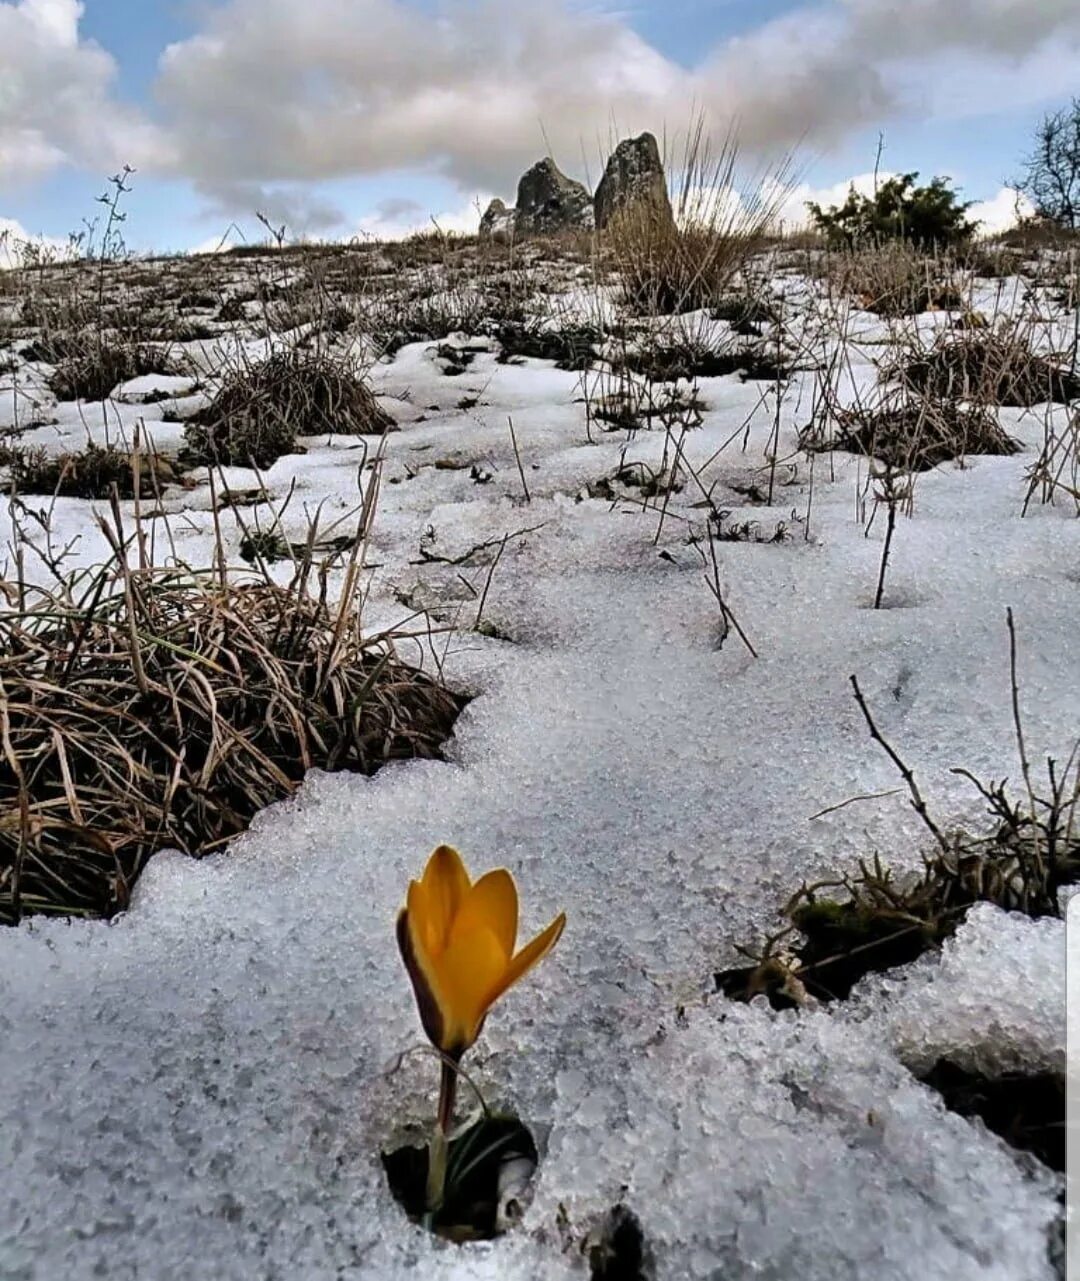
x: 440, y: 1144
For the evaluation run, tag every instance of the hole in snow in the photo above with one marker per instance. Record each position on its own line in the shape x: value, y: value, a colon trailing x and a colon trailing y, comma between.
x: 842, y: 942
x: 1027, y: 1110
x: 617, y: 1250
x: 895, y: 598
x: 488, y: 1180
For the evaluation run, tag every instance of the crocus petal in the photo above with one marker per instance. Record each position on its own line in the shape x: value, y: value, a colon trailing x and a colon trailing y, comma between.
x: 468, y: 969
x: 424, y: 978
x: 445, y: 882
x: 492, y: 903
x: 529, y: 955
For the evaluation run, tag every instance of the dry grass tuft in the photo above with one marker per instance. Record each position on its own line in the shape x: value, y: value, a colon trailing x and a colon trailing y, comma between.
x: 570, y: 346
x: 668, y: 267
x: 96, y: 472
x: 259, y: 411
x: 145, y: 709
x: 995, y: 366
x: 91, y: 370
x: 894, y: 279
x: 687, y: 357
x: 915, y: 435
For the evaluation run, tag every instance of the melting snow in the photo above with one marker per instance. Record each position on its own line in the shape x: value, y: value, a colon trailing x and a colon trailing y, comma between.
x: 204, y: 1085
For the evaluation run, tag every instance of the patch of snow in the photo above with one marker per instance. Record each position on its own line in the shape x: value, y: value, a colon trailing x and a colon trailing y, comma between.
x: 207, y: 1081
x: 153, y: 387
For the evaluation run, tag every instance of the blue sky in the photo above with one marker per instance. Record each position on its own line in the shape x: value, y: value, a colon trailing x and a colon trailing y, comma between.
x: 327, y: 112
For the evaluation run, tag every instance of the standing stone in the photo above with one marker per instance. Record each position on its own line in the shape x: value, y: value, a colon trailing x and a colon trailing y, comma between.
x: 548, y: 201
x: 498, y: 221
x: 634, y: 177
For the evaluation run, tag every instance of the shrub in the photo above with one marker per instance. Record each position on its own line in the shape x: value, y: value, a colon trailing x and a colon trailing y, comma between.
x: 926, y: 216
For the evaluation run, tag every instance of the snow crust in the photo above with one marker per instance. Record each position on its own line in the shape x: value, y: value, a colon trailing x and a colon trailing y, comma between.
x: 205, y: 1084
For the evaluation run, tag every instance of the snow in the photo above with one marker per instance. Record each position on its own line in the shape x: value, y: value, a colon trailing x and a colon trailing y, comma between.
x: 150, y: 387
x: 211, y: 1077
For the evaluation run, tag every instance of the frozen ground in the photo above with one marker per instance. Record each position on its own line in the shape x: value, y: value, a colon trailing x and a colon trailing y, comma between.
x: 203, y: 1086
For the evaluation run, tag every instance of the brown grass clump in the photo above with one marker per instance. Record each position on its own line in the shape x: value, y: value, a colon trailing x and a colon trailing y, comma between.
x: 145, y: 709
x: 95, y: 472
x: 916, y: 435
x: 991, y: 366
x: 571, y: 346
x: 667, y: 360
x: 259, y: 411
x: 673, y: 266
x: 91, y: 370
x: 894, y: 279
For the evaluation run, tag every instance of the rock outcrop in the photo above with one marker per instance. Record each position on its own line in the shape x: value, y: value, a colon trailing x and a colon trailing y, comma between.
x: 634, y: 178
x: 549, y: 202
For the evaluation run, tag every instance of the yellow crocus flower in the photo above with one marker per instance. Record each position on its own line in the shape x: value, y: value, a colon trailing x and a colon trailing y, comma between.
x: 457, y: 940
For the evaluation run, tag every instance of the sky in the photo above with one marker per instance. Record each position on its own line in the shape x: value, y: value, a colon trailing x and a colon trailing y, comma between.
x: 351, y: 117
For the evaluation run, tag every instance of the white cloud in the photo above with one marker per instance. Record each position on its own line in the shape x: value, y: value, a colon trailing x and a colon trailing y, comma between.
x: 272, y: 92
x: 17, y: 245
x: 1001, y: 212
x: 1011, y: 28
x: 269, y: 97
x: 360, y: 86
x: 396, y: 219
x: 56, y: 103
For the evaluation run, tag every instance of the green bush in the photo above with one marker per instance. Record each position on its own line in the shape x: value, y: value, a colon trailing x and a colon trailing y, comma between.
x: 925, y: 216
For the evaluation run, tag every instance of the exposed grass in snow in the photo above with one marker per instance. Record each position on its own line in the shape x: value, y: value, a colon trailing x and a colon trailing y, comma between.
x: 995, y: 367
x: 1030, y: 853
x: 895, y: 279
x: 146, y: 709
x: 262, y: 407
x: 671, y: 265
x: 916, y: 434
x: 97, y: 471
